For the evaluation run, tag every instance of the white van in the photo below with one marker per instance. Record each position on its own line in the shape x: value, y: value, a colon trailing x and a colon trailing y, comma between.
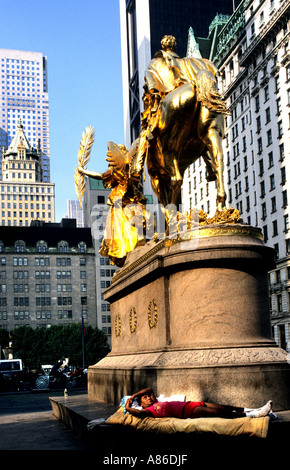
x: 11, y: 365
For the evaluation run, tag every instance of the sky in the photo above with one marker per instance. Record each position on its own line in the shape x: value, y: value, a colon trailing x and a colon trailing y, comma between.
x: 81, y: 40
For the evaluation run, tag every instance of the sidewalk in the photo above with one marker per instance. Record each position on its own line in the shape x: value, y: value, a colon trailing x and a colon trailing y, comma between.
x: 27, y: 424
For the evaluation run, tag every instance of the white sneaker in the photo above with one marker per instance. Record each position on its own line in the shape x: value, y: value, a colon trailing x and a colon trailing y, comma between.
x: 260, y: 412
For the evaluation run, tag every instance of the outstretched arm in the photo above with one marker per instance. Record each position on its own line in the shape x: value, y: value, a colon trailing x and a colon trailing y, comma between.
x: 92, y: 174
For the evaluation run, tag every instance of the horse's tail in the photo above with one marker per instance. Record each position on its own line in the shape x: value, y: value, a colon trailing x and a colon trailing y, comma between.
x: 208, y: 94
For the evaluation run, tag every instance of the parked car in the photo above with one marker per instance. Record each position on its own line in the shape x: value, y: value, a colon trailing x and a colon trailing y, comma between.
x: 11, y: 371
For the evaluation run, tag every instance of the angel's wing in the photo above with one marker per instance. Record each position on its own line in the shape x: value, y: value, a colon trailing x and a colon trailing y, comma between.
x: 117, y: 157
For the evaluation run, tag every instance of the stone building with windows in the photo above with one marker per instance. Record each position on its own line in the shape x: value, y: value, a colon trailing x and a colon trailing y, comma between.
x: 253, y: 57
x: 47, y: 275
x: 25, y: 196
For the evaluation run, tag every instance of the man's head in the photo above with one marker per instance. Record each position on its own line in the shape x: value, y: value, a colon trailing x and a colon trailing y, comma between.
x: 145, y: 401
x: 168, y: 43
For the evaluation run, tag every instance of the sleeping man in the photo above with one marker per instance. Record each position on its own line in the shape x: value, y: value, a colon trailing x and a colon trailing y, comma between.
x: 151, y: 407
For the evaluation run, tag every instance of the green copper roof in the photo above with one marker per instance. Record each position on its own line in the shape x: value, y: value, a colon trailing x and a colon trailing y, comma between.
x: 97, y: 184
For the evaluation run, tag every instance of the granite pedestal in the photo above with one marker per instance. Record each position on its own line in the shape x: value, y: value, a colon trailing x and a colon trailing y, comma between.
x: 191, y: 316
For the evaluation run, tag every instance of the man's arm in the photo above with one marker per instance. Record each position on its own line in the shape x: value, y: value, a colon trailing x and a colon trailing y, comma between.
x: 146, y: 391
x: 134, y: 411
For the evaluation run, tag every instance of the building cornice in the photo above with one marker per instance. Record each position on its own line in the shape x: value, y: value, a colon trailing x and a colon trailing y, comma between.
x: 231, y: 34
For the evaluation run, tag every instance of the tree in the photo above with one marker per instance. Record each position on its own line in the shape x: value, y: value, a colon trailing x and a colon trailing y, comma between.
x: 96, y: 345
x: 49, y: 345
x: 4, y: 340
x: 24, y: 345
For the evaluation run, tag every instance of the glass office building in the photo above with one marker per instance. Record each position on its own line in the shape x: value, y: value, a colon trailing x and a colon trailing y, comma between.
x: 24, y: 96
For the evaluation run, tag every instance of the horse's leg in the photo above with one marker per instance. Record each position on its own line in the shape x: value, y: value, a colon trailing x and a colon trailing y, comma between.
x: 160, y: 191
x: 211, y: 133
x: 210, y: 167
x: 175, y: 184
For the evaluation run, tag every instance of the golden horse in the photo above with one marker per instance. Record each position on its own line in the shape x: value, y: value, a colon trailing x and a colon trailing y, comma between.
x: 183, y: 120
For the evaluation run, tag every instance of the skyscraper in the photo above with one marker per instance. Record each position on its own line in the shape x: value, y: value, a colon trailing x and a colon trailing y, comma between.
x: 74, y: 211
x: 24, y: 95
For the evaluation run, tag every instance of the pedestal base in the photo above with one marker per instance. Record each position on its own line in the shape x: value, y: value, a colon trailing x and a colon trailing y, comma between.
x: 191, y: 317
x: 235, y: 376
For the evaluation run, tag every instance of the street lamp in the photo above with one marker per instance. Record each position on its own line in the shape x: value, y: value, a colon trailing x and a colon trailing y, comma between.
x: 83, y: 302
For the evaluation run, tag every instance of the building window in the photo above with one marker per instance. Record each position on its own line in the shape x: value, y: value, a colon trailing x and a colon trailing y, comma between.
x: 21, y: 301
x: 288, y: 73
x: 283, y: 175
x: 262, y: 187
x: 21, y: 315
x: 271, y: 159
x: 20, y: 261
x: 64, y: 314
x: 82, y: 247
x: 284, y: 198
x: 63, y: 261
x: 3, y: 288
x: 42, y: 301
x: 41, y: 247
x: 264, y: 211
x: 278, y: 106
x: 257, y: 103
x: 20, y: 246
x: 265, y: 233
x: 286, y: 223
x: 280, y: 129
x: 3, y: 315
x: 64, y: 301
x: 42, y: 261
x: 275, y: 228
x: 272, y: 182
x: 279, y: 303
x: 63, y: 247
x: 273, y: 205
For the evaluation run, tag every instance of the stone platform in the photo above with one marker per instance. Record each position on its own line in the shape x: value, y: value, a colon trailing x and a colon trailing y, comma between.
x: 191, y: 316
x: 77, y: 411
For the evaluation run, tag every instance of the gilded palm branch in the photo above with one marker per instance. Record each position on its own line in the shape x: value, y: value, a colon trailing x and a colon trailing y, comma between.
x: 83, y: 159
